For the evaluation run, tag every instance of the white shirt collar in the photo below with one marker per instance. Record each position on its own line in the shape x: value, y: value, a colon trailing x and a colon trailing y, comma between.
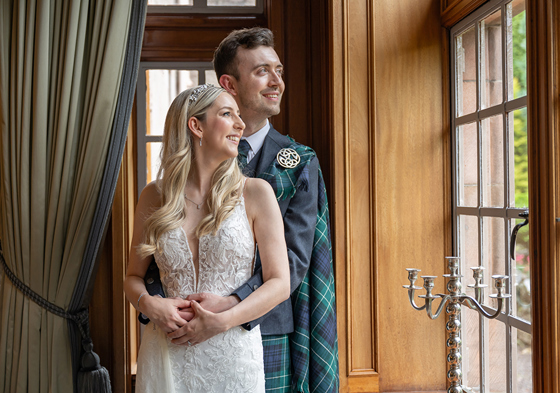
x: 256, y: 141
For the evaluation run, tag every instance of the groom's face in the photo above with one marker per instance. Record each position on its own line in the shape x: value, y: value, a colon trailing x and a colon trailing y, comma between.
x: 260, y: 84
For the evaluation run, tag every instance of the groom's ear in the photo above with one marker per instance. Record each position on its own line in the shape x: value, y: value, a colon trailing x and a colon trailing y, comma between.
x: 229, y: 83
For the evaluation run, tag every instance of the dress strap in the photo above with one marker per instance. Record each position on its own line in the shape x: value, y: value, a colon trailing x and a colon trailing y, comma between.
x: 243, y: 188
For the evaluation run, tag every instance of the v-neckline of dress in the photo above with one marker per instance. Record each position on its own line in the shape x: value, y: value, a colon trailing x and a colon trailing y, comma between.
x: 195, y: 275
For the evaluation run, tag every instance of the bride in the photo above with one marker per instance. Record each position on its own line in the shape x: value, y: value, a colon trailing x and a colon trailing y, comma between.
x: 201, y: 220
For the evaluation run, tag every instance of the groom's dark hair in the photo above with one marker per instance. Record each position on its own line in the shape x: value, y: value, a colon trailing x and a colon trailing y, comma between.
x: 225, y: 55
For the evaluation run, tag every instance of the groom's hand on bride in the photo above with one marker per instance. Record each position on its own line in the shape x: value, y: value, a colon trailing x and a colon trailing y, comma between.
x: 205, y: 324
x: 209, y: 302
x: 214, y: 303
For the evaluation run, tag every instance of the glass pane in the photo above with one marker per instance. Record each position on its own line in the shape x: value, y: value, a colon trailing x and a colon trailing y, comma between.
x: 517, y: 49
x: 493, y: 161
x: 496, y: 368
x: 167, y: 85
x: 236, y: 3
x: 210, y: 77
x: 493, y: 254
x: 468, y: 244
x: 170, y: 2
x: 465, y: 61
x: 491, y: 60
x: 524, y: 374
x: 519, y: 175
x: 467, y: 164
x: 521, y: 271
x: 152, y: 160
x: 471, y: 348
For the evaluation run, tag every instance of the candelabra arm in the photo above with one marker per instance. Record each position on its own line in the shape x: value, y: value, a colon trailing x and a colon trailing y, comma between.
x: 412, y: 303
x: 470, y: 300
x: 444, y: 299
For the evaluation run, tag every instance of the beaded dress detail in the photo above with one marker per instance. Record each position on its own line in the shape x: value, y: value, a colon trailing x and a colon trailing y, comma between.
x: 228, y: 362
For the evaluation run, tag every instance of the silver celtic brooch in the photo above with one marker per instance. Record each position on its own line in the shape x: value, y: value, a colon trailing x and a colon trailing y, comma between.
x: 288, y: 158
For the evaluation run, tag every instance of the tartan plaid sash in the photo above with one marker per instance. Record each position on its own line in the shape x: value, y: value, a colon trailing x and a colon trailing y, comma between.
x: 314, y: 343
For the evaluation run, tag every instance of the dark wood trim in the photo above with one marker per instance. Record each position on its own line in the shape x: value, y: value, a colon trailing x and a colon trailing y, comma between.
x: 543, y: 50
x: 192, y: 37
x: 452, y: 11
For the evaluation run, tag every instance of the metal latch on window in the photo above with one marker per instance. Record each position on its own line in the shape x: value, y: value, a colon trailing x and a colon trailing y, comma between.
x: 516, y: 229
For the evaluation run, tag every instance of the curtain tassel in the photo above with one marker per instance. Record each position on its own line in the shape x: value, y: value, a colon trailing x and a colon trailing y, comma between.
x: 92, y: 377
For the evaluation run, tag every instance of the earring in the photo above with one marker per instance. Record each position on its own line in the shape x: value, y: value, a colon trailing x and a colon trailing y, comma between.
x: 200, y: 143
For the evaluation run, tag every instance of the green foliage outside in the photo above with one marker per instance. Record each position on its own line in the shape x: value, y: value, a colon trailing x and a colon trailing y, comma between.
x: 521, y: 164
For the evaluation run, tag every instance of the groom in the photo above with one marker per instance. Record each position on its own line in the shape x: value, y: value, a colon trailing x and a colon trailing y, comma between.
x: 299, y: 335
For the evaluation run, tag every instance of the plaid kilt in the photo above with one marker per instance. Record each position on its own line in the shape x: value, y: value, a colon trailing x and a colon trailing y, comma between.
x: 277, y: 370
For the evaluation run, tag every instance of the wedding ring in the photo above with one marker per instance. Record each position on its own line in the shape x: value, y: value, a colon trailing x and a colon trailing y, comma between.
x: 189, y: 343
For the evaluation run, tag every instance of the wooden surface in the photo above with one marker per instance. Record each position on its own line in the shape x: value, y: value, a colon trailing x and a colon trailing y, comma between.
x: 190, y: 37
x: 113, y: 319
x: 391, y: 209
x: 543, y: 49
x: 452, y: 11
x: 412, y: 201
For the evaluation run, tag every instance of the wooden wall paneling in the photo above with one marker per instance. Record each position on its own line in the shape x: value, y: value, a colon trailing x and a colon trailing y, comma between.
x: 452, y: 11
x: 192, y: 37
x: 113, y: 320
x: 390, y: 163
x: 297, y: 59
x: 275, y: 21
x: 339, y: 82
x: 412, y: 200
x: 352, y: 167
x: 543, y: 57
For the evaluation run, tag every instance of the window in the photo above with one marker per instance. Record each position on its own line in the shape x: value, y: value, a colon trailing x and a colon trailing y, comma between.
x: 162, y: 82
x: 490, y: 190
x: 205, y: 6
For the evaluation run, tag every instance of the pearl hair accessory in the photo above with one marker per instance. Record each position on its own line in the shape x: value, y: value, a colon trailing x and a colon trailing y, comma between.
x: 196, y: 92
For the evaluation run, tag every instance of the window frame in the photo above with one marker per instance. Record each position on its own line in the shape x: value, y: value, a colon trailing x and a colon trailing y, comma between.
x: 142, y: 139
x: 202, y: 7
x: 507, y: 212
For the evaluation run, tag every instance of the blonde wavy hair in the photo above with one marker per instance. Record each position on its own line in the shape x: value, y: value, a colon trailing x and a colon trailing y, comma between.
x: 177, y: 156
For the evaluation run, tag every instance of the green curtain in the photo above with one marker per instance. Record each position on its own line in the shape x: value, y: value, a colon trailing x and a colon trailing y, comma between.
x: 60, y: 69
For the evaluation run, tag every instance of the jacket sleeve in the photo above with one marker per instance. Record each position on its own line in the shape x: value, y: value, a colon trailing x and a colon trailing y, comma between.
x: 299, y: 218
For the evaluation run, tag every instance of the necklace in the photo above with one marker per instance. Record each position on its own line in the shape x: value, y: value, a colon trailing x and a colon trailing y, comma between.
x: 197, y: 204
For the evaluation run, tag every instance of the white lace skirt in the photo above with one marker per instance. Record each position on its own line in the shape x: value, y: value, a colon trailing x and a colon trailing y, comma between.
x: 229, y: 362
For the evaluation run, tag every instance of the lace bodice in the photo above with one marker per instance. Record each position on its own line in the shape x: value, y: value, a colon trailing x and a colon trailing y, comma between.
x: 228, y: 362
x: 225, y: 260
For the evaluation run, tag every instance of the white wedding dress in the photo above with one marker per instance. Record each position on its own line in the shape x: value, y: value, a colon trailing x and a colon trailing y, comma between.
x: 228, y: 362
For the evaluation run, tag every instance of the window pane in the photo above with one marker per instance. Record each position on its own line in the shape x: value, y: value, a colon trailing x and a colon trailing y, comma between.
x: 496, y: 369
x: 167, y: 84
x: 467, y: 164
x: 465, y: 60
x: 210, y: 76
x: 524, y: 372
x: 493, y: 161
x: 237, y: 3
x: 170, y: 2
x: 517, y: 49
x: 152, y: 160
x: 493, y: 254
x: 519, y: 177
x: 491, y: 60
x: 471, y: 348
x: 468, y: 242
x: 521, y: 270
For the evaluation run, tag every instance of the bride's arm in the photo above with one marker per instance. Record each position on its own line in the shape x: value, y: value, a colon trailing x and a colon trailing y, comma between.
x: 264, y: 214
x: 163, y: 312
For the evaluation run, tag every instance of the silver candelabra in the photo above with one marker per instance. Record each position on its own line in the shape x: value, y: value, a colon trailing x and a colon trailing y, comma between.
x: 454, y: 300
